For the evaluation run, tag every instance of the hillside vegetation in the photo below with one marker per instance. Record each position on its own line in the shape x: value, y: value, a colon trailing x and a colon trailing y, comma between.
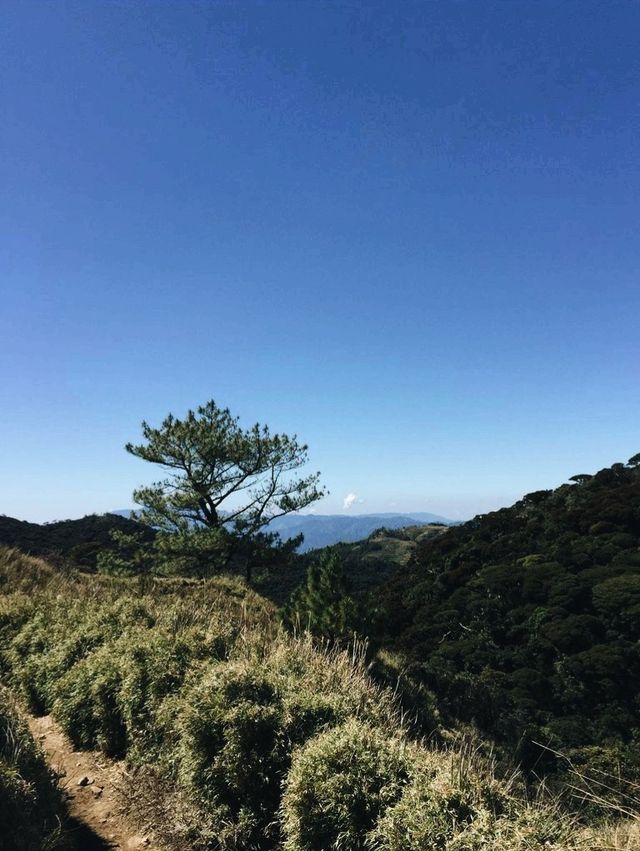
x: 526, y: 622
x: 365, y: 564
x: 76, y: 542
x: 278, y: 570
x: 241, y: 736
x: 370, y: 562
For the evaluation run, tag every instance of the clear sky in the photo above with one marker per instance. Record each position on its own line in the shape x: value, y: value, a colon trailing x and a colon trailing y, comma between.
x: 407, y: 232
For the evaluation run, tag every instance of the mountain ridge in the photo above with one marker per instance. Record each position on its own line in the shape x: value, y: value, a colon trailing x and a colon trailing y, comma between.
x: 324, y: 530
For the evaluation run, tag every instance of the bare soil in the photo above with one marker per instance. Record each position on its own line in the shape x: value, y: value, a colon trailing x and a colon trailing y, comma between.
x: 99, y: 818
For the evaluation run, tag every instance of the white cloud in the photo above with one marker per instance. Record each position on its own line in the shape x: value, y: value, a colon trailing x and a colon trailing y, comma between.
x: 350, y: 500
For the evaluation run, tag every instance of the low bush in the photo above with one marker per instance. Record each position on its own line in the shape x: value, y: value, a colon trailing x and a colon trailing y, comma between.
x: 239, y: 723
x: 338, y: 786
x: 87, y: 704
x: 454, y: 803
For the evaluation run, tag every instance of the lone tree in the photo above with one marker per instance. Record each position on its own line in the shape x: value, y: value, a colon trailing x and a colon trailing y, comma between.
x: 221, y: 477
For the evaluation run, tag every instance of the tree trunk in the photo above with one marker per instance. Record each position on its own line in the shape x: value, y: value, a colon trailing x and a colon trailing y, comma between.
x: 239, y: 560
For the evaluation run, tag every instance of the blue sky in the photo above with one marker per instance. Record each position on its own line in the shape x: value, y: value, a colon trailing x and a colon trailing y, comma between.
x: 407, y: 232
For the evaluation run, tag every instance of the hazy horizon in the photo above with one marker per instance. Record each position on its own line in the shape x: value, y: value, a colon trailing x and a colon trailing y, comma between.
x: 313, y: 512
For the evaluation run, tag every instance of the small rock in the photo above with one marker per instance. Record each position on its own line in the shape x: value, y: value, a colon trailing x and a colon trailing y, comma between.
x: 138, y: 842
x: 85, y: 781
x: 97, y: 791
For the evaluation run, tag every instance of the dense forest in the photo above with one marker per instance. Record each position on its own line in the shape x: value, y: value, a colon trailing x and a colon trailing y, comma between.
x: 526, y: 622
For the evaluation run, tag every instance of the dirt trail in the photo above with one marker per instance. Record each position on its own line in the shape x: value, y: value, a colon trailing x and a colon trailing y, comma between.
x: 98, y: 818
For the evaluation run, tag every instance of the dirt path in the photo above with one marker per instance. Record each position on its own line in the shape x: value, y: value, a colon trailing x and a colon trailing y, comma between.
x: 93, y: 784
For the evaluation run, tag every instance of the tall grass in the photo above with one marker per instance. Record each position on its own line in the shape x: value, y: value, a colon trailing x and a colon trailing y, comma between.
x: 244, y: 737
x: 613, y: 797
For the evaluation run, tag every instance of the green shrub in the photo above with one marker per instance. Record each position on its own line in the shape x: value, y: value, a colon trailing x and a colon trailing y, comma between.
x: 238, y: 724
x: 86, y: 703
x: 60, y: 633
x: 339, y: 785
x: 337, y: 678
x: 153, y: 665
x: 453, y: 802
x: 15, y: 611
x: 229, y: 751
x: 444, y: 798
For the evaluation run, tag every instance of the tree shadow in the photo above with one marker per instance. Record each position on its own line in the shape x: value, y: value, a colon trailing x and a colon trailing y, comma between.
x: 83, y: 838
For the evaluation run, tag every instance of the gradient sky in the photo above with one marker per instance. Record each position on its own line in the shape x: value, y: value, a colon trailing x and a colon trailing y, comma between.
x: 407, y: 232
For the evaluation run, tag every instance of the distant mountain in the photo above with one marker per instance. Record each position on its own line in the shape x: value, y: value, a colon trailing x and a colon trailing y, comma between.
x: 323, y: 530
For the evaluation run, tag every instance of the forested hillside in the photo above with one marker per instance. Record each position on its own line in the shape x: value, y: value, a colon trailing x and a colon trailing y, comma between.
x: 369, y: 562
x: 77, y: 541
x: 365, y: 564
x: 526, y: 621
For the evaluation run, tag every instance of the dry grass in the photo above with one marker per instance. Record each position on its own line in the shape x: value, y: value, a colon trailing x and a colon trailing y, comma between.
x: 615, y: 798
x: 619, y: 835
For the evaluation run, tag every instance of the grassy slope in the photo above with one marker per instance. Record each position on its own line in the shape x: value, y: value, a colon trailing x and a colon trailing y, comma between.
x: 243, y: 737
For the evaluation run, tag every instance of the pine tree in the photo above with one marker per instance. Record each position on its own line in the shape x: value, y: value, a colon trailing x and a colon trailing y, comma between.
x: 222, y: 480
x: 324, y: 605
